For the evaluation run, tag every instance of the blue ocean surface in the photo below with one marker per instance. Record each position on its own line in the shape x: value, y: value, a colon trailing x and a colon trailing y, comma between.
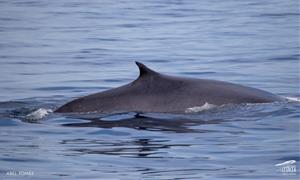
x: 54, y: 51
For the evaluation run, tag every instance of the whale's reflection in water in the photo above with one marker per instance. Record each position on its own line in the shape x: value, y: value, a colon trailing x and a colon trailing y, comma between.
x: 125, y: 144
x: 144, y: 122
x: 147, y: 148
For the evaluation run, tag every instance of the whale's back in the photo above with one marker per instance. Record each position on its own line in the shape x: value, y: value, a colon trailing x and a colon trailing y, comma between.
x: 155, y: 92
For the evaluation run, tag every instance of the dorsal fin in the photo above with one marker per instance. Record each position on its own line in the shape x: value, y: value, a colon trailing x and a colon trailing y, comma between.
x: 144, y: 70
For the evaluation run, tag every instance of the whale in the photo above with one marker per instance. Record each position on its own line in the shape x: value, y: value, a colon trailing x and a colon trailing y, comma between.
x: 161, y: 93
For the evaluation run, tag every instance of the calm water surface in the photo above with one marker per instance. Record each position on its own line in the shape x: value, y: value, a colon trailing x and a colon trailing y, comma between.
x: 54, y: 51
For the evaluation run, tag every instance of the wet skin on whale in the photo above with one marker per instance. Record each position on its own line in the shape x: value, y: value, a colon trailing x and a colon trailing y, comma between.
x: 156, y: 92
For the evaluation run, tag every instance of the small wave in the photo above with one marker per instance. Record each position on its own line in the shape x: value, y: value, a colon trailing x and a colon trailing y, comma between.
x: 195, y: 109
x: 38, y: 114
x: 293, y: 99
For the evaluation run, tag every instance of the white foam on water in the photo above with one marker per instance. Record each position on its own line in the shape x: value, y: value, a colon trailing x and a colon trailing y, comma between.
x: 293, y: 99
x: 195, y: 109
x: 38, y: 114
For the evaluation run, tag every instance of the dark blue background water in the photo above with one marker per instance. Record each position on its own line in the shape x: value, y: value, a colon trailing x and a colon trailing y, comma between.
x: 53, y: 51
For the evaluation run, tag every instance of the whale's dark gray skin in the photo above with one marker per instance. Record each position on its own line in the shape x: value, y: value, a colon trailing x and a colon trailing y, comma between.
x: 156, y: 92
